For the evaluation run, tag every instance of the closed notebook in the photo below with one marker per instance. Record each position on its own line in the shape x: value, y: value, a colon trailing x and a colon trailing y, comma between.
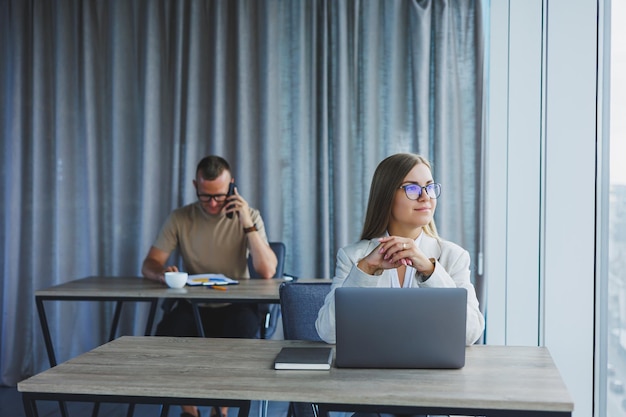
x: 315, y: 358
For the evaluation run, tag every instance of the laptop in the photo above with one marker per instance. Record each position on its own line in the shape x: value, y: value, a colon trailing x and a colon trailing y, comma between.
x: 400, y: 327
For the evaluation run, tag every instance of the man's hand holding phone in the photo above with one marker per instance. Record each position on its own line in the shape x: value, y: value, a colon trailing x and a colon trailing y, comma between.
x: 236, y: 204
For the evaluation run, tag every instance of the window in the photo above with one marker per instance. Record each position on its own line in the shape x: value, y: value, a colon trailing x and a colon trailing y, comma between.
x: 614, y: 376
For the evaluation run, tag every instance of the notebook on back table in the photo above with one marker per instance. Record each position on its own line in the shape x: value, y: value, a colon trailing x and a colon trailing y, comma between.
x: 400, y: 327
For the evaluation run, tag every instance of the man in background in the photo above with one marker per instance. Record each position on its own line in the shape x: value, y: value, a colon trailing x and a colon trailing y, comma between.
x: 213, y: 235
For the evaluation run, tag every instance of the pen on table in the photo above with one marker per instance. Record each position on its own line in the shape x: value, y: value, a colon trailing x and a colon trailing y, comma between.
x: 217, y: 287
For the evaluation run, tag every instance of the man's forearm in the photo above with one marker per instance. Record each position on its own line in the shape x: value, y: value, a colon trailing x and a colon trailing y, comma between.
x: 263, y: 256
x: 153, y: 270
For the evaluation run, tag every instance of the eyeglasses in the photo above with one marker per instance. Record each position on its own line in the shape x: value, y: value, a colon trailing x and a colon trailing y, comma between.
x: 206, y: 198
x: 414, y: 191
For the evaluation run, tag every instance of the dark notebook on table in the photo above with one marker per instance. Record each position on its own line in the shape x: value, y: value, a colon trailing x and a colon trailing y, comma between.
x: 400, y: 327
x: 304, y: 358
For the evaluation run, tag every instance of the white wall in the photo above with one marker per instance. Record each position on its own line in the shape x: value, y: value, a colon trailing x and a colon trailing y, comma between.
x: 541, y: 179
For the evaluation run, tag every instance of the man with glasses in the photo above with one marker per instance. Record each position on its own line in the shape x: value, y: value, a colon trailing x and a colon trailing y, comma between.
x: 213, y: 235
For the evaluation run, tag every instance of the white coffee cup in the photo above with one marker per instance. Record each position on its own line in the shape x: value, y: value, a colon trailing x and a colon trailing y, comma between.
x: 176, y: 279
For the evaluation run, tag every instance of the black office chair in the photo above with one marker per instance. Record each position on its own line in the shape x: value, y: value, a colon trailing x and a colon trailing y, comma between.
x: 300, y: 303
x: 270, y: 313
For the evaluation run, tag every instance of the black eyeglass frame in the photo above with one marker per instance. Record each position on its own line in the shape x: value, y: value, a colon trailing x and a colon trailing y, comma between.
x: 206, y: 198
x: 433, y: 190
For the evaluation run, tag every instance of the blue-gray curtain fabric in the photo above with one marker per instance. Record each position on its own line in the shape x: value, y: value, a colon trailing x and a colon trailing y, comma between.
x: 107, y: 106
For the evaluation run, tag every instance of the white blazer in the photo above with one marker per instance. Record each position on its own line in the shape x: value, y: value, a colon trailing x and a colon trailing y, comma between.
x: 451, y: 270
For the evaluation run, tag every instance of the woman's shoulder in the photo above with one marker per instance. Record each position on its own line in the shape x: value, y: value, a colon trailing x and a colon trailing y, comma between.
x: 452, y: 252
x: 450, y: 246
x: 444, y: 247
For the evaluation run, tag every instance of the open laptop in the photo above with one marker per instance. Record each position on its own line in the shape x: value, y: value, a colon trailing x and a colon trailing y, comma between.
x: 400, y: 327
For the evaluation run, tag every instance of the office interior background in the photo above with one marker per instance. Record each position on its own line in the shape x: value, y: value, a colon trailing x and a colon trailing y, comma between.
x: 106, y: 107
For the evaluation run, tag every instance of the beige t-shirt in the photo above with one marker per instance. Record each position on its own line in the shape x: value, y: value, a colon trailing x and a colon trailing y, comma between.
x: 208, y: 243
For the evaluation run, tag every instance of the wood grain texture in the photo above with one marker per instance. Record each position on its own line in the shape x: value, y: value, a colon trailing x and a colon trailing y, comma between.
x: 494, y: 377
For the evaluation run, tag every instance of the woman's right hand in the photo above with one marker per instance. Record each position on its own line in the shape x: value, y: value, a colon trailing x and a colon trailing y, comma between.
x: 375, y: 263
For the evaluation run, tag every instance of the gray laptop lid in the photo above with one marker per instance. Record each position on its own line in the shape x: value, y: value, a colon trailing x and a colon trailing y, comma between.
x: 400, y: 327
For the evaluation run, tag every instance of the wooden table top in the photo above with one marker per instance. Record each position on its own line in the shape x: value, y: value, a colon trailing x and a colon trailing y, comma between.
x: 94, y: 287
x: 494, y: 377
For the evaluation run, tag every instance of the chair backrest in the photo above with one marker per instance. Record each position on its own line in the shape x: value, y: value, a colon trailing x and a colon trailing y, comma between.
x: 300, y: 303
x: 280, y: 250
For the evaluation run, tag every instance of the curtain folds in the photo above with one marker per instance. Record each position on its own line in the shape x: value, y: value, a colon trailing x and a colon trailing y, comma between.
x: 107, y: 106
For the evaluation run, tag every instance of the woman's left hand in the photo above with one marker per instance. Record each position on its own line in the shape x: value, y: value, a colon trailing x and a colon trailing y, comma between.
x: 404, y: 250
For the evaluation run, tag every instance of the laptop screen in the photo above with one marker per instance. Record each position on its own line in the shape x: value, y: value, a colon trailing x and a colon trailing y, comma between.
x: 400, y: 327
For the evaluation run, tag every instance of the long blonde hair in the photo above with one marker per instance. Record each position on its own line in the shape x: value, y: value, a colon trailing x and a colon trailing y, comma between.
x: 387, y: 179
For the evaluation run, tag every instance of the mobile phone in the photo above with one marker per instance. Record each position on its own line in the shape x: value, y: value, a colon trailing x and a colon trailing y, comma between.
x: 231, y: 191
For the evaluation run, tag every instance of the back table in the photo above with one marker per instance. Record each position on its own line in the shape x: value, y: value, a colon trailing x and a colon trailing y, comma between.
x: 132, y: 288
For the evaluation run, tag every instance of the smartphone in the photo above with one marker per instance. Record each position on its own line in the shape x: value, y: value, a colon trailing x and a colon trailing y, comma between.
x: 231, y: 191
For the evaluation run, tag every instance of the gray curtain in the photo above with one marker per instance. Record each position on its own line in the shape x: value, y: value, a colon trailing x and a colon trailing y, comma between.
x: 107, y: 106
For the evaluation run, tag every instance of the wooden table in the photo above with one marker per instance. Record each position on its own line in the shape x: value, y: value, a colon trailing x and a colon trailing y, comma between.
x: 122, y: 289
x: 496, y: 380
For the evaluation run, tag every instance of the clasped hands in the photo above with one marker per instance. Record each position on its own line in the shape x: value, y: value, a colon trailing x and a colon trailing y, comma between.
x: 394, y: 252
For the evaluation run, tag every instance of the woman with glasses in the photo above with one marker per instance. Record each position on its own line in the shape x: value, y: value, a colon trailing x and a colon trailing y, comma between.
x: 399, y: 245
